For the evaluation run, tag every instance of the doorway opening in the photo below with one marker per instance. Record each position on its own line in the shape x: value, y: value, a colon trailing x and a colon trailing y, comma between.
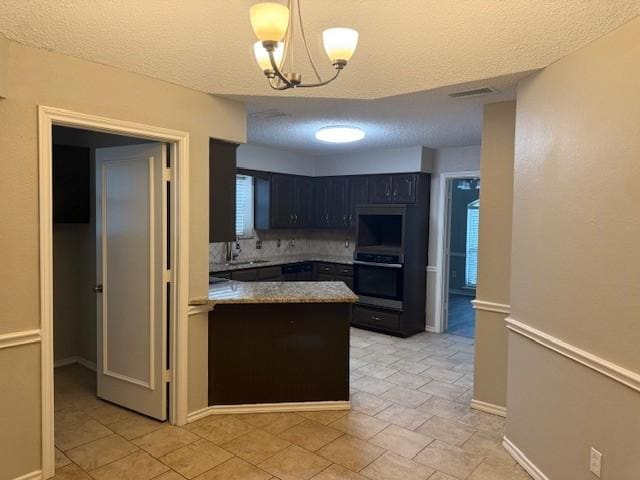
x: 461, y: 255
x: 113, y: 217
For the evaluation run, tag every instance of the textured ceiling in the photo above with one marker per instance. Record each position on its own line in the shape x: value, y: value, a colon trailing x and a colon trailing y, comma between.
x: 405, y: 47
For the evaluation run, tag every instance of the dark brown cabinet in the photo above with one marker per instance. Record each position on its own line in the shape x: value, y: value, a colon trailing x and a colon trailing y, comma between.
x: 282, y: 201
x: 396, y: 188
x: 339, y: 203
x: 404, y: 188
x: 222, y: 191
x: 332, y: 272
x: 358, y: 195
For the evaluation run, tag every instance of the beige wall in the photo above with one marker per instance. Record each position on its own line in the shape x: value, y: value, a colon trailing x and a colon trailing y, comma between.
x: 496, y: 196
x: 41, y: 77
x: 575, y: 262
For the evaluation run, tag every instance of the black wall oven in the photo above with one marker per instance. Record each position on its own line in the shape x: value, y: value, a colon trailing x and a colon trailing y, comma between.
x: 378, y: 280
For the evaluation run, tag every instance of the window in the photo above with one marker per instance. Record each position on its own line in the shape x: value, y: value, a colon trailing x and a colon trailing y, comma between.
x: 244, y: 206
x: 473, y: 220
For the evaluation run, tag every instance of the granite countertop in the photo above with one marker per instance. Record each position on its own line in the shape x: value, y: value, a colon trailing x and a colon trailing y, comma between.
x: 233, y: 292
x: 282, y: 260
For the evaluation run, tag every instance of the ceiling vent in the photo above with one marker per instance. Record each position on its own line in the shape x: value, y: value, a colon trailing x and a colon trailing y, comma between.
x: 268, y: 114
x: 472, y: 93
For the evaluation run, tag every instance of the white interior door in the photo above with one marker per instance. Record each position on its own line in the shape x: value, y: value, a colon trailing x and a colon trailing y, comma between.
x: 131, y: 247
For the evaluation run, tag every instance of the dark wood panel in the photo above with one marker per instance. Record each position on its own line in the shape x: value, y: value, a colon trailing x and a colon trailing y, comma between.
x: 358, y: 195
x: 405, y: 188
x: 339, y: 203
x: 249, y: 275
x: 376, y: 318
x: 272, y: 353
x: 222, y: 191
x: 380, y: 188
x: 282, y: 201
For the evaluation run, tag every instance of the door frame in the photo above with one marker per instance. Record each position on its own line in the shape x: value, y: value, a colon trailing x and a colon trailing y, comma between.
x: 442, y: 242
x: 178, y: 323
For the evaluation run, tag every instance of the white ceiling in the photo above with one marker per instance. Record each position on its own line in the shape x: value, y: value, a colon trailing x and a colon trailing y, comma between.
x: 405, y: 47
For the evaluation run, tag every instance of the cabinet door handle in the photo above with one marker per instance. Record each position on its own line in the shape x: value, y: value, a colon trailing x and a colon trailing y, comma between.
x: 97, y: 289
x: 375, y: 318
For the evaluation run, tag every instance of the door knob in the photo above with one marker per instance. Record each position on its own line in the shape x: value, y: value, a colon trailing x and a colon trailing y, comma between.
x: 97, y: 289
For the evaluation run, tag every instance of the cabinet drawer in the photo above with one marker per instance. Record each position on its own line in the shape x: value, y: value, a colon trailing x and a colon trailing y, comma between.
x: 269, y: 273
x: 344, y: 270
x: 376, y: 318
x: 323, y: 277
x: 347, y: 279
x: 326, y: 268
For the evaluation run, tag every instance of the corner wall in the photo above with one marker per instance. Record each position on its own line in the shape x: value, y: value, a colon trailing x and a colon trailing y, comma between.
x: 38, y: 77
x: 494, y: 257
x: 575, y: 263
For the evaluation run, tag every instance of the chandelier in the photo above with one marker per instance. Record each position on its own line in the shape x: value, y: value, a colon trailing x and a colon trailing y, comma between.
x: 273, y: 25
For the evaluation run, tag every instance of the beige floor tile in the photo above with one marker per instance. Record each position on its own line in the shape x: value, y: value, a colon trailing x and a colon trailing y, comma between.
x: 465, y: 398
x: 170, y: 475
x: 100, y: 452
x: 377, y: 371
x: 136, y: 426
x: 372, y: 385
x: 310, y: 435
x: 284, y: 422
x: 196, y: 458
x: 61, y: 459
x: 502, y: 472
x: 406, y: 443
x: 325, y: 416
x: 256, y: 446
x: 235, y: 469
x: 409, y: 366
x: 450, y: 460
x: 262, y: 420
x: 71, y: 472
x: 445, y: 375
x: 165, y: 440
x: 408, y: 380
x: 487, y: 444
x: 336, y: 472
x: 395, y: 467
x: 404, y: 416
x: 70, y: 418
x: 351, y: 452
x: 137, y: 466
x: 294, y: 463
x: 484, y: 421
x: 359, y: 425
x: 443, y: 408
x: 448, y: 431
x: 107, y: 414
x: 442, y: 476
x: 443, y: 389
x: 68, y: 438
x: 221, y: 429
x: 381, y: 358
x: 368, y: 404
x: 406, y: 397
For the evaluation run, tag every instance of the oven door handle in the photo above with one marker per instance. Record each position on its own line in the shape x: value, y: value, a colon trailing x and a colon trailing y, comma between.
x: 374, y: 264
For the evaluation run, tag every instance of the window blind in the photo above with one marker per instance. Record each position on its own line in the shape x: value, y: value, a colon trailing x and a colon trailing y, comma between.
x: 473, y: 222
x: 244, y: 206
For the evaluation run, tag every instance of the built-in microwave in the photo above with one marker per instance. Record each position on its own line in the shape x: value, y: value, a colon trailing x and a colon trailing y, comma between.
x: 381, y: 230
x: 378, y: 280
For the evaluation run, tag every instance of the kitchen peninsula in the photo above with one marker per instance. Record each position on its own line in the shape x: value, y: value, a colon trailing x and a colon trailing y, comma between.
x: 278, y: 346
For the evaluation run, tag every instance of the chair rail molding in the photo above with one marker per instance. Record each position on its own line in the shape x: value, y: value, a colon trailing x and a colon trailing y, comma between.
x: 614, y: 371
x: 22, y: 337
x: 487, y: 306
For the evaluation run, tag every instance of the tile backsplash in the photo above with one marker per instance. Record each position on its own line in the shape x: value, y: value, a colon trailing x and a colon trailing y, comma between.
x: 337, y: 244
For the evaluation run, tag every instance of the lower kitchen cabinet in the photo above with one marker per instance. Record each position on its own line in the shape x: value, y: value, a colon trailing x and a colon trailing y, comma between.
x: 387, y: 320
x: 250, y: 275
x: 295, y: 272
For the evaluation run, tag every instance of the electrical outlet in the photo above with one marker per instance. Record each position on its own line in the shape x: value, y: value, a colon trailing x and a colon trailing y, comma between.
x: 596, y: 462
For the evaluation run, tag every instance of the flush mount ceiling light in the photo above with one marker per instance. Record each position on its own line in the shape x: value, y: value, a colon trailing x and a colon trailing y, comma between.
x: 340, y: 134
x: 273, y: 25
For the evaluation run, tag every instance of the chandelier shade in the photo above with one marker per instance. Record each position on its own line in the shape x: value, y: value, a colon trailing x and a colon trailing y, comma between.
x: 340, y: 43
x: 269, y: 21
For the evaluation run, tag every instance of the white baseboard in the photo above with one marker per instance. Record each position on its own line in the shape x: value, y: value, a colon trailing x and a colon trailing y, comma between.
x: 522, y: 460
x: 431, y: 329
x: 267, y: 408
x: 71, y: 360
x: 35, y: 475
x: 489, y: 408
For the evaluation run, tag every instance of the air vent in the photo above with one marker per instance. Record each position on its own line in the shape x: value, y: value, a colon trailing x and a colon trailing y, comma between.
x: 472, y: 93
x: 267, y: 114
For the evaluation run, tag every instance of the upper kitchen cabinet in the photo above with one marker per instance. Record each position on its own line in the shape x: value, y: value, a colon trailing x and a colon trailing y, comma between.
x: 358, y: 195
x: 222, y: 191
x: 283, y: 202
x: 380, y: 187
x: 331, y: 202
x: 396, y: 188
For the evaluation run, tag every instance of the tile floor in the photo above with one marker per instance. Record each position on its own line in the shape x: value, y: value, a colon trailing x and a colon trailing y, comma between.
x: 410, y: 421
